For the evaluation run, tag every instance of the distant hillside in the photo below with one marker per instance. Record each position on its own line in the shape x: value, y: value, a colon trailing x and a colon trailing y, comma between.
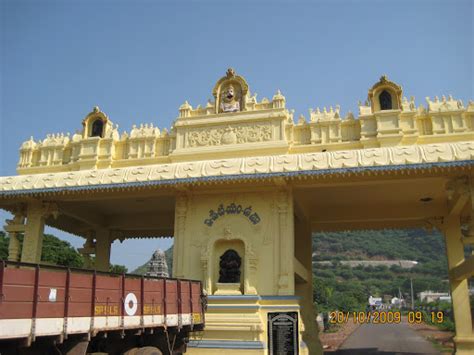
x: 169, y: 261
x: 388, y: 244
x: 347, y: 288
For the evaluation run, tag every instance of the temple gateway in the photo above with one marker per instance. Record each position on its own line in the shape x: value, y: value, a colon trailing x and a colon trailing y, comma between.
x: 241, y: 187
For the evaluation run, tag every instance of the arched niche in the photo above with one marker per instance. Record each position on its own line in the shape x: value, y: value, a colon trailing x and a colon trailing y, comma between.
x: 97, y: 128
x: 229, y: 265
x: 385, y: 95
x: 210, y: 261
x: 230, y: 93
x: 385, y: 100
x: 96, y: 124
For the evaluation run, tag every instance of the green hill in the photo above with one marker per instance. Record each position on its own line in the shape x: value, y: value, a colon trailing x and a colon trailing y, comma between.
x: 341, y: 287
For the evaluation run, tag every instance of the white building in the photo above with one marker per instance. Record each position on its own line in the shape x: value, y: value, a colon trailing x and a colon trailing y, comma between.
x: 430, y: 296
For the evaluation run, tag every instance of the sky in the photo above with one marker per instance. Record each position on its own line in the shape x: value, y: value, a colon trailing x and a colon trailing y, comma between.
x: 140, y: 60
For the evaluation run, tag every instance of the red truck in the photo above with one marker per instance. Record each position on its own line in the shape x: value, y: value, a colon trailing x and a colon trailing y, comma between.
x: 57, y: 310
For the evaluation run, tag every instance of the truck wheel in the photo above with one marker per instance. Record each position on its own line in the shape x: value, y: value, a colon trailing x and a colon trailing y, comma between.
x: 146, y: 350
x: 149, y: 350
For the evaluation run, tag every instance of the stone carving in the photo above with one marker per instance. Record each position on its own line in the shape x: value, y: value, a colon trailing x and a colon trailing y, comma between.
x: 230, y: 135
x: 230, y: 92
x: 325, y: 114
x: 229, y: 100
x: 399, y: 155
x: 408, y: 105
x: 205, y: 137
x: 229, y: 264
x: 145, y: 130
x: 444, y: 104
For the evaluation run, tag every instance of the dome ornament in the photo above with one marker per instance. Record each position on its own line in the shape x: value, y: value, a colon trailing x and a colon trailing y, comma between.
x: 230, y: 73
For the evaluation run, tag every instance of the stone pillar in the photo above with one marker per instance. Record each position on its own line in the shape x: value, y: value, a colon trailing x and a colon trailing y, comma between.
x: 33, y: 240
x: 13, y: 228
x: 13, y: 247
x: 102, y: 249
x: 464, y: 338
x: 87, y: 249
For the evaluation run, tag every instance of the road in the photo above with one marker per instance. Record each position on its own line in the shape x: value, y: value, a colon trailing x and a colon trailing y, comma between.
x: 386, y: 339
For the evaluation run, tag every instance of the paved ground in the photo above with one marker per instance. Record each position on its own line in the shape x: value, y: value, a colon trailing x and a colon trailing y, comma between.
x: 386, y: 339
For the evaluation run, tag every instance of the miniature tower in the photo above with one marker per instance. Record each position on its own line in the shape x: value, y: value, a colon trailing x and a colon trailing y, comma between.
x: 157, y: 266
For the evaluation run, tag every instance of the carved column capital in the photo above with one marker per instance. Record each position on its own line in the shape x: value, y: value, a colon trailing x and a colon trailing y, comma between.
x: 181, y: 204
x: 460, y: 185
x: 282, y: 201
x: 50, y: 208
x: 42, y: 209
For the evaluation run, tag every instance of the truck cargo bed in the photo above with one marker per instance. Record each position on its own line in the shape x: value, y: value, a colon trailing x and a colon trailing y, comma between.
x: 38, y: 301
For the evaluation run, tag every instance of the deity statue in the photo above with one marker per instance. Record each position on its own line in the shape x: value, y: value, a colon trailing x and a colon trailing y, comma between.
x: 229, y: 101
x: 229, y: 265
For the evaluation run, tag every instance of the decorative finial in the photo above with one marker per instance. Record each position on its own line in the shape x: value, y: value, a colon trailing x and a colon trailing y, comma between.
x: 230, y: 73
x: 384, y: 78
x: 185, y: 106
x: 96, y: 109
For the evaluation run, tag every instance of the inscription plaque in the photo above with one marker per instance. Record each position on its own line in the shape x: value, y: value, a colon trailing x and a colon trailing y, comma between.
x: 283, y: 333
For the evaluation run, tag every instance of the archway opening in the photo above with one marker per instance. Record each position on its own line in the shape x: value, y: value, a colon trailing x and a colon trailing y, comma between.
x: 97, y: 129
x: 385, y: 100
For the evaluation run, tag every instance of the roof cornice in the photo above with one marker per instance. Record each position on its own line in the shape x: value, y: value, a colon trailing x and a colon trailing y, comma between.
x: 377, y: 160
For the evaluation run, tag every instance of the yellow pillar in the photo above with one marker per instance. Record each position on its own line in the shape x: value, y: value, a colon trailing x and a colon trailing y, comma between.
x: 304, y: 254
x: 464, y: 338
x: 179, y: 230
x: 102, y: 250
x: 13, y: 228
x: 13, y: 247
x: 33, y: 240
x: 286, y: 283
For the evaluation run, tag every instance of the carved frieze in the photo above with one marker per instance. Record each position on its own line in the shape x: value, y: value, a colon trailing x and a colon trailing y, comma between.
x: 230, y: 135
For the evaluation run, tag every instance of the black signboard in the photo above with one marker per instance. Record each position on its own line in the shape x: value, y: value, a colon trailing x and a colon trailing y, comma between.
x: 283, y: 333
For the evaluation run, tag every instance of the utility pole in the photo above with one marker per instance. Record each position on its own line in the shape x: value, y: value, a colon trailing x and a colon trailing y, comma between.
x: 412, y: 300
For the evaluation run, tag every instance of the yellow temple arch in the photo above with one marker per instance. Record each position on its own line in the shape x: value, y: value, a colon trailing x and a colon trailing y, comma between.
x: 241, y: 175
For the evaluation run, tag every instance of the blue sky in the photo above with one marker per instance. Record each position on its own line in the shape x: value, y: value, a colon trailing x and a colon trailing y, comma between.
x: 139, y: 60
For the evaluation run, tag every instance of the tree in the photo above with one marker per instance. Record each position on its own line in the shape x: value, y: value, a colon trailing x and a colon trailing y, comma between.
x: 118, y: 269
x: 59, y: 252
x: 54, y: 252
x: 3, y: 246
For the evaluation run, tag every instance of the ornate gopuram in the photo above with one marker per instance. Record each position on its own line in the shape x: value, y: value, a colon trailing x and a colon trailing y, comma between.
x: 157, y: 266
x: 241, y: 186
